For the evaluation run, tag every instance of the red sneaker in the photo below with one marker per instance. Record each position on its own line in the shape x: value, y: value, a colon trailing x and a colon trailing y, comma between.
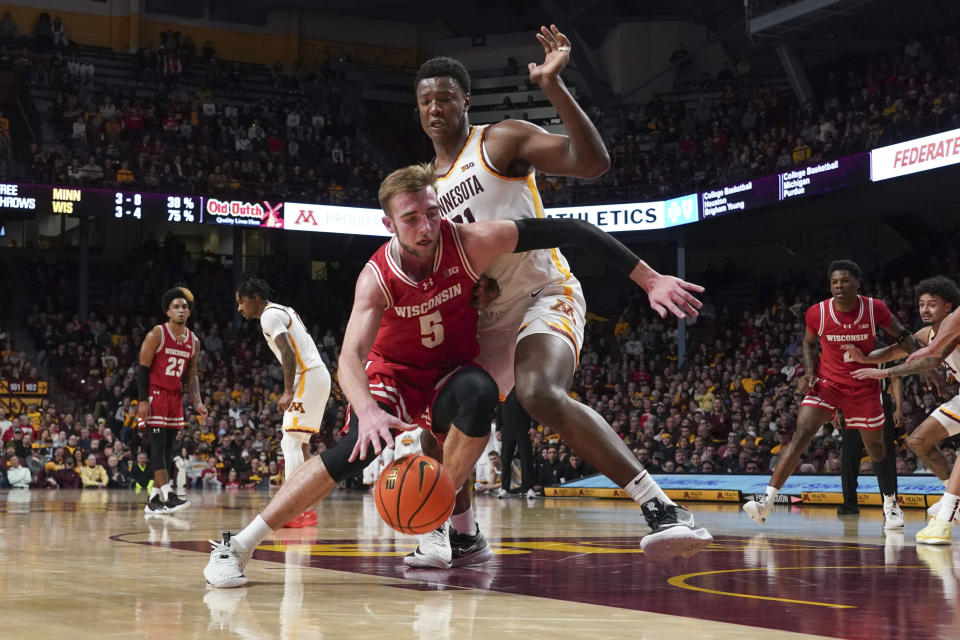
x: 296, y: 523
x: 309, y: 517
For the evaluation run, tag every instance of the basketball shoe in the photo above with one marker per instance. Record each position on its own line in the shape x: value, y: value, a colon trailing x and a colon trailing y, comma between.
x: 758, y: 510
x: 673, y: 531
x: 892, y: 515
x: 226, y: 565
x: 309, y: 517
x: 934, y: 509
x: 176, y: 503
x: 433, y: 550
x: 296, y: 523
x: 469, y: 548
x: 936, y: 532
x: 155, y: 506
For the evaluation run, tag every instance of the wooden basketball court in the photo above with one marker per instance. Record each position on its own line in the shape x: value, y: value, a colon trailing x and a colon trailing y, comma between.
x: 90, y: 564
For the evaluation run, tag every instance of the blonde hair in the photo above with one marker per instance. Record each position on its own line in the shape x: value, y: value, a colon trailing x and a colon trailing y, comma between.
x: 411, y: 179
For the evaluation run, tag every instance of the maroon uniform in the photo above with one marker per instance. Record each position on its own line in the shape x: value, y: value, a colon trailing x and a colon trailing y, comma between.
x: 835, y: 387
x: 166, y: 378
x: 428, y: 329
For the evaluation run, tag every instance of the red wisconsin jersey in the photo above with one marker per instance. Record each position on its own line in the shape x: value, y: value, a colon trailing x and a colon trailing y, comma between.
x: 427, y: 324
x: 170, y: 360
x: 857, y: 327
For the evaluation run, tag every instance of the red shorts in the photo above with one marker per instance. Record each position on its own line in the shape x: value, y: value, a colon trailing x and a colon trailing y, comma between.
x: 860, y: 404
x: 166, y: 408
x: 409, y: 391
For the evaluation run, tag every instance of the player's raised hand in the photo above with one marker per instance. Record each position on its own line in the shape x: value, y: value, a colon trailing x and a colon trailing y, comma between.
x: 673, y: 295
x: 374, y: 427
x: 556, y: 50
x: 869, y: 374
x: 852, y: 353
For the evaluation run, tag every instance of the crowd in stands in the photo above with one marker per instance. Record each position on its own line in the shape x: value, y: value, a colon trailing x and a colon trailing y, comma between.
x: 729, y: 408
x: 181, y: 121
x: 184, y: 121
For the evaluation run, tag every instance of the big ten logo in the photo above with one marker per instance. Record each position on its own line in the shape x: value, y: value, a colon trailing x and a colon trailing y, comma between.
x: 392, y: 479
x: 296, y: 406
x: 452, y: 271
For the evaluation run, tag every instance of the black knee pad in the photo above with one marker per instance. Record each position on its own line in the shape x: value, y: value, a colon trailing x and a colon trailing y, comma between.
x: 467, y: 401
x: 336, y: 459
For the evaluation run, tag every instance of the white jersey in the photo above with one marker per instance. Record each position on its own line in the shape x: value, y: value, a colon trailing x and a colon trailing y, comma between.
x: 952, y: 361
x: 473, y: 191
x: 277, y: 319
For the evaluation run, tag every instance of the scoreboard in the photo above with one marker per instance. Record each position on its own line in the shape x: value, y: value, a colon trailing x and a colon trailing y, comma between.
x: 31, y: 199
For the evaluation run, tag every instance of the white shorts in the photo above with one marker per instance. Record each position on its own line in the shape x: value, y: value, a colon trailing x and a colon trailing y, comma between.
x: 948, y: 415
x: 311, y: 390
x: 557, y: 310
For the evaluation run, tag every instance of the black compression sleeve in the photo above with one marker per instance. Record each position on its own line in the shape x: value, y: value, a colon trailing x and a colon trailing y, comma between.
x: 546, y: 233
x: 143, y: 382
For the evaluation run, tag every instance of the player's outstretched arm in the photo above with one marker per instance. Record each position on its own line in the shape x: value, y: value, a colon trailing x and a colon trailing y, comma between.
x: 147, y: 351
x: 484, y: 242
x: 580, y: 152
x: 879, y: 356
x: 374, y: 424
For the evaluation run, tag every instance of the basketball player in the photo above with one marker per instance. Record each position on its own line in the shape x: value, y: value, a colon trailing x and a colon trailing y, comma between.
x: 938, y: 296
x: 167, y: 356
x: 407, y: 358
x: 530, y: 335
x: 306, y: 381
x: 847, y: 318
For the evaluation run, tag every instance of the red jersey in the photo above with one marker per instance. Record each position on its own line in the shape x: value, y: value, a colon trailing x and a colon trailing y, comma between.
x: 431, y: 323
x: 170, y: 360
x: 835, y: 328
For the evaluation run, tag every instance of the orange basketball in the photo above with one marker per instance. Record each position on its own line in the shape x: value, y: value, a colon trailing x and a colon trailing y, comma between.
x: 415, y: 494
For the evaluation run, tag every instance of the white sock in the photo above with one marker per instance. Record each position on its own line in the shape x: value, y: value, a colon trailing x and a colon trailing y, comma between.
x: 165, y: 492
x: 292, y: 449
x: 464, y: 522
x: 154, y: 492
x: 888, y: 499
x: 772, y: 493
x: 252, y: 535
x: 948, y: 505
x: 644, y: 488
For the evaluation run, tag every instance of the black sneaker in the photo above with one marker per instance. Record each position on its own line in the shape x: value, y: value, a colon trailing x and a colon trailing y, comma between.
x: 672, y: 531
x: 469, y: 548
x: 847, y: 509
x: 175, y: 503
x: 155, y: 505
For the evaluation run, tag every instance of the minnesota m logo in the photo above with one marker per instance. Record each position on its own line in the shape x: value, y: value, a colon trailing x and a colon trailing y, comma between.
x: 297, y: 406
x: 563, y: 308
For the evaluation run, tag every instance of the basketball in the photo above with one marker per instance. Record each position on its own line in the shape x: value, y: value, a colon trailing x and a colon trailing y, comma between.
x: 415, y: 494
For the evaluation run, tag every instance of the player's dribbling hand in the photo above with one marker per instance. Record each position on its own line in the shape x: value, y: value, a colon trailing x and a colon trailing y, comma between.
x: 852, y: 353
x: 671, y: 294
x: 284, y: 402
x: 374, y: 427
x: 869, y: 374
x: 556, y: 49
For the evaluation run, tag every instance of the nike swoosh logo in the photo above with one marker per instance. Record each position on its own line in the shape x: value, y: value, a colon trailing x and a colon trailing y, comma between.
x: 423, y: 464
x: 537, y: 292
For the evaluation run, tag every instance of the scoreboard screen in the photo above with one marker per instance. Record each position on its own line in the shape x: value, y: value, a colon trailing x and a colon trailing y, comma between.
x: 148, y: 206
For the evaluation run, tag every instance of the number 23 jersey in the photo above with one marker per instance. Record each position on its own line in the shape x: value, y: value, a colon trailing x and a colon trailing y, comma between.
x: 170, y: 359
x: 427, y: 325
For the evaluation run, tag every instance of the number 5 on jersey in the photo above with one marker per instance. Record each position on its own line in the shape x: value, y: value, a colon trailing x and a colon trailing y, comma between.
x: 175, y: 366
x: 431, y: 330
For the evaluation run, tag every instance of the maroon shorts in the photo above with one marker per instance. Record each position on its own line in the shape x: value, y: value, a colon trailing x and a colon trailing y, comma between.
x: 166, y: 408
x: 860, y: 404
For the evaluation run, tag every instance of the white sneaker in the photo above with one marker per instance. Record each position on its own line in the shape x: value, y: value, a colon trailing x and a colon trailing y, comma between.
x: 759, y: 510
x: 503, y: 493
x: 892, y: 515
x: 532, y: 494
x: 434, y: 550
x: 225, y: 568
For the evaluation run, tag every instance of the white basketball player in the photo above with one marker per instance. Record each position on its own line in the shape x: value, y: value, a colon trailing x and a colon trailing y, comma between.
x: 306, y: 381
